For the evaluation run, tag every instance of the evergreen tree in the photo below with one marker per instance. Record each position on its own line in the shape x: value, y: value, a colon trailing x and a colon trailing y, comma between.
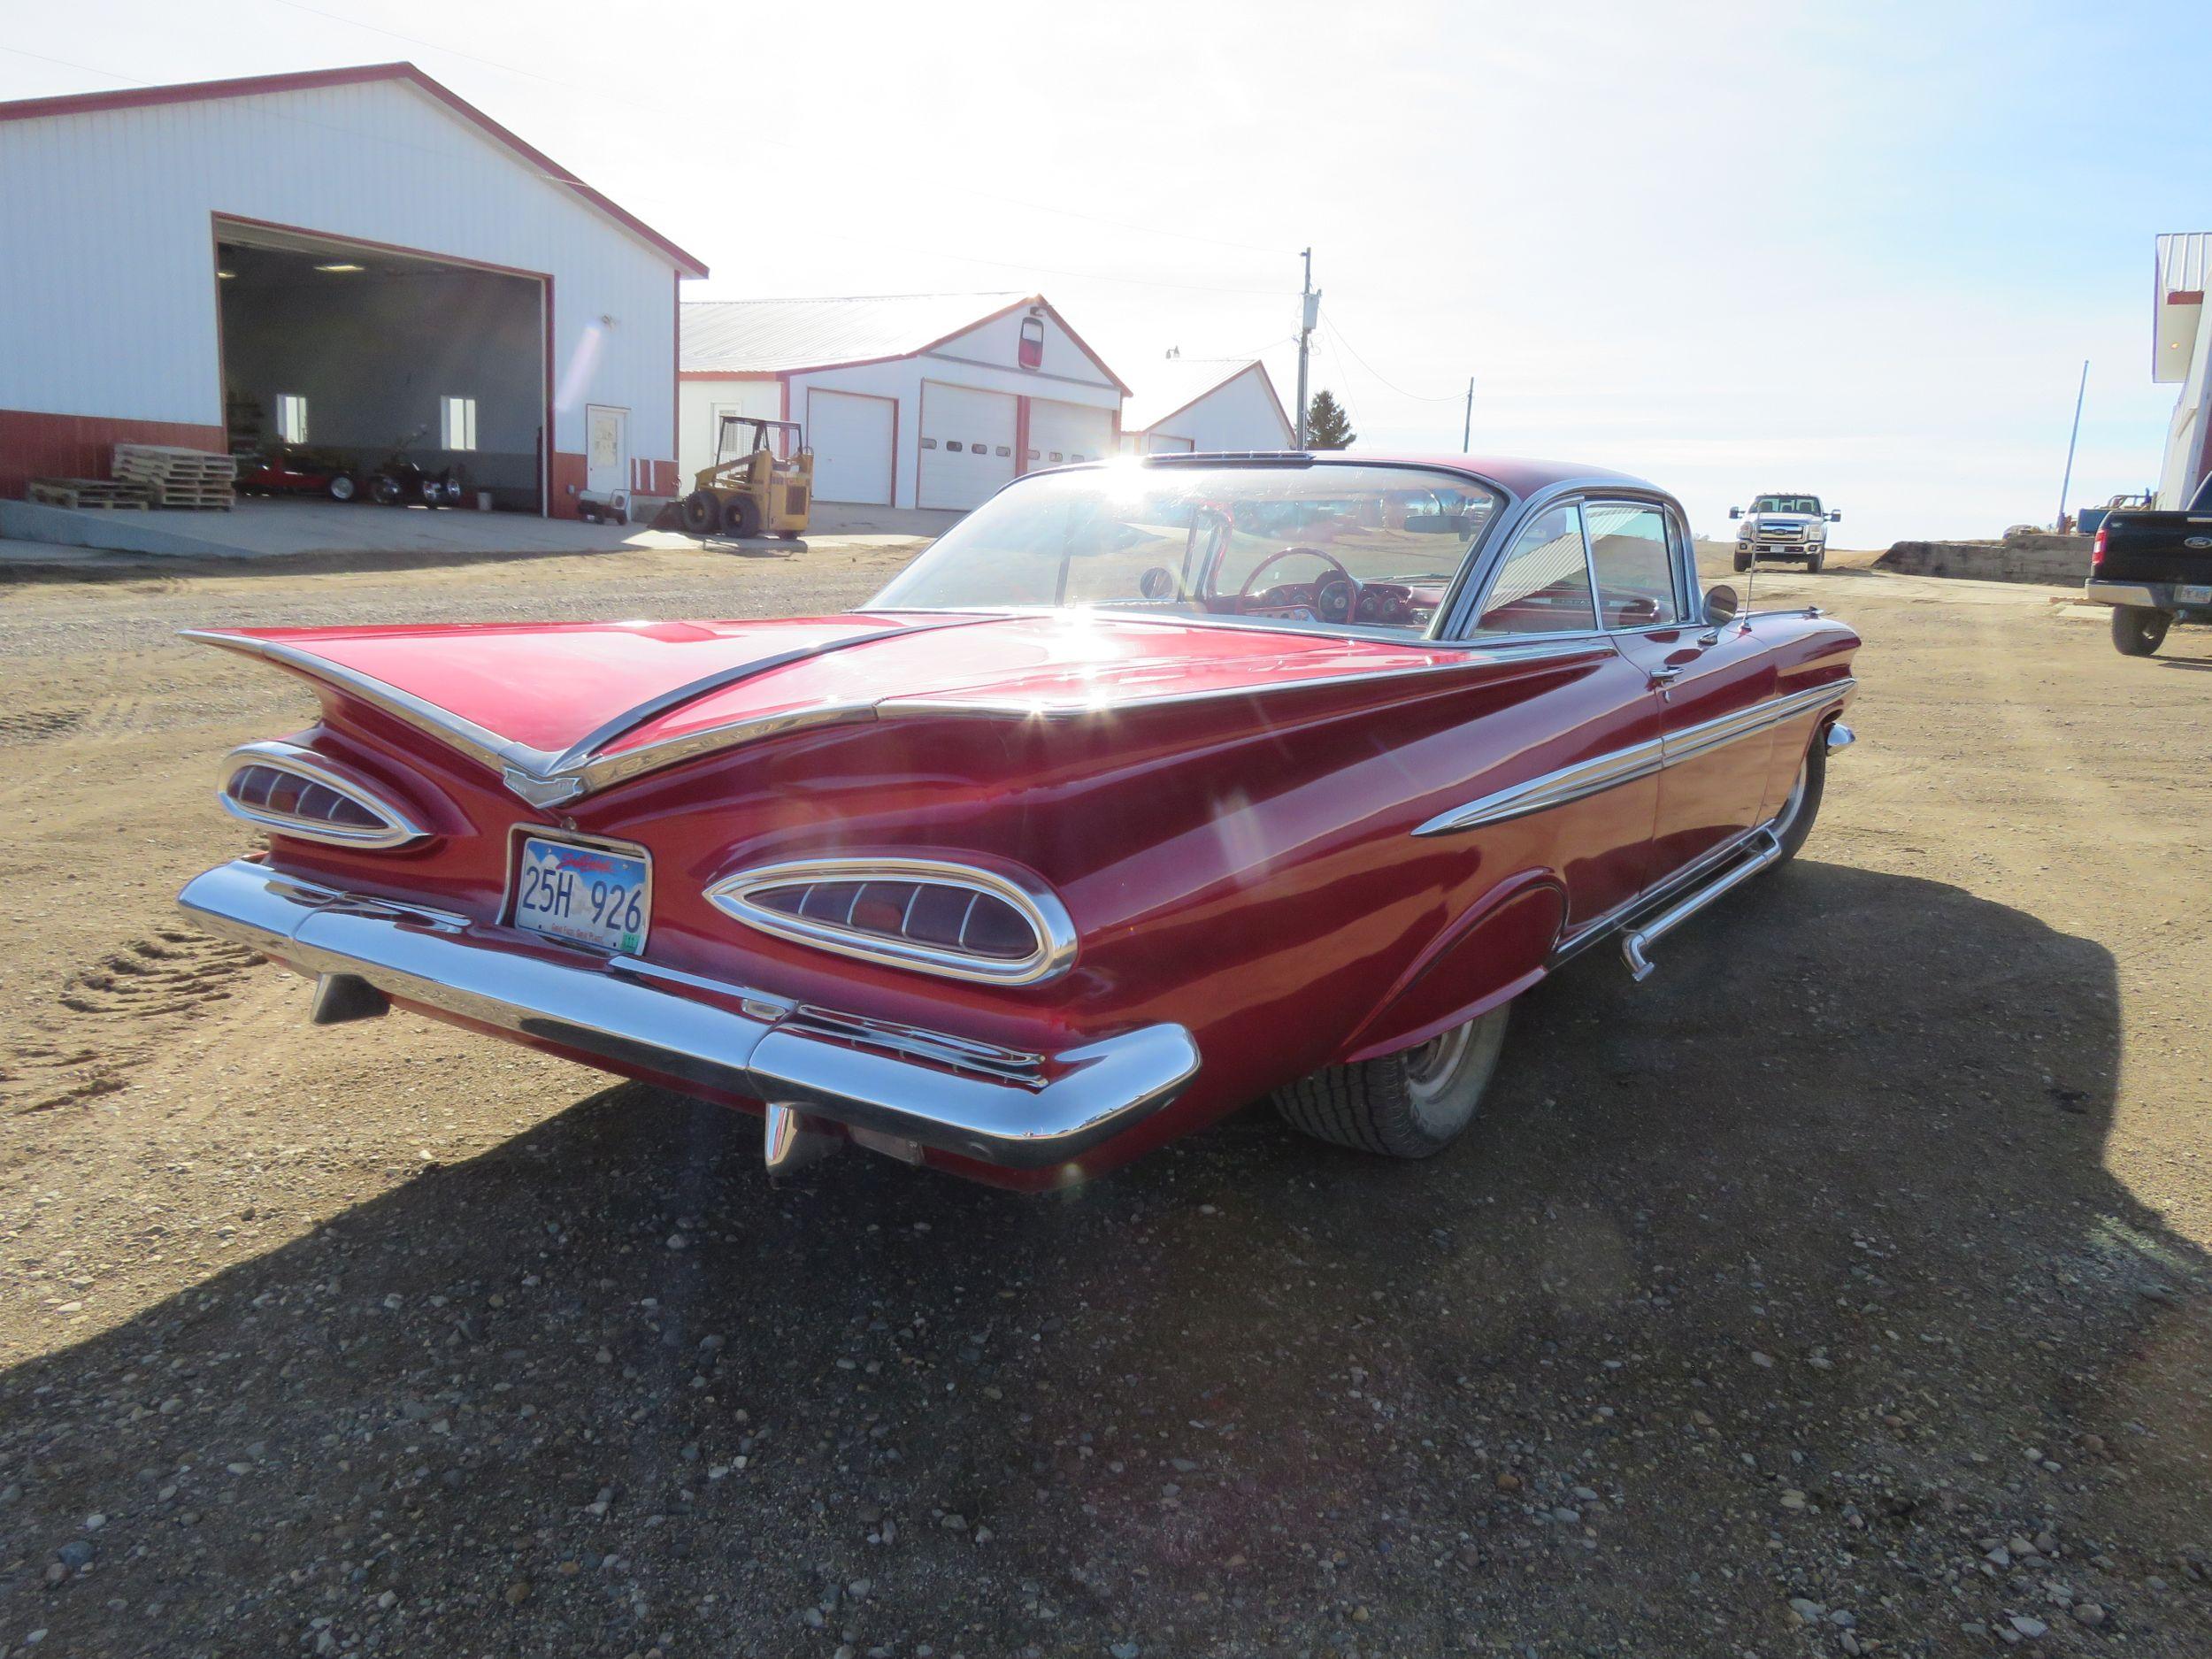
x: 1327, y: 426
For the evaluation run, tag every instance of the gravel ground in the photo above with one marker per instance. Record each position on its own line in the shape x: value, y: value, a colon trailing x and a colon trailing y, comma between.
x: 1841, y: 1290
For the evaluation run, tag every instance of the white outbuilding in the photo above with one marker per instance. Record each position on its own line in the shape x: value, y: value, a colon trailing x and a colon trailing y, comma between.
x: 1184, y: 403
x: 339, y: 262
x: 2181, y: 354
x: 907, y: 400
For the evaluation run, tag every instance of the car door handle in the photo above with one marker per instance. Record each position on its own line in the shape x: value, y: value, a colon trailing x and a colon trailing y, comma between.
x: 1665, y: 674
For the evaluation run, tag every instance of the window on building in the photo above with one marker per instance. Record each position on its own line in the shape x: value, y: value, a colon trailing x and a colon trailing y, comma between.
x: 1544, y: 584
x: 929, y: 443
x: 456, y: 422
x: 291, y: 413
x: 953, y: 444
x: 1032, y: 346
x: 1002, y: 449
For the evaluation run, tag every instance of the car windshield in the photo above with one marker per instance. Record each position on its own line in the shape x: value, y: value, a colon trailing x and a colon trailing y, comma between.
x: 1296, y: 544
x: 1787, y: 503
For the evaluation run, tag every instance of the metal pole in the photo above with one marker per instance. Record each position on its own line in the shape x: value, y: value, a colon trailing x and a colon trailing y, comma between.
x: 1305, y: 340
x: 1467, y: 428
x: 2067, y: 483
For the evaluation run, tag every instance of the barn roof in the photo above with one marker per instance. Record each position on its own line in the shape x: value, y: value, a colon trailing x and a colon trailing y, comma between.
x: 787, y: 335
x: 258, y: 86
x: 1173, y: 384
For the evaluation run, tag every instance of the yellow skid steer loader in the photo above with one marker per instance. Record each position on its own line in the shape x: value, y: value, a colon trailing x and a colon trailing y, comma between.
x: 762, y: 482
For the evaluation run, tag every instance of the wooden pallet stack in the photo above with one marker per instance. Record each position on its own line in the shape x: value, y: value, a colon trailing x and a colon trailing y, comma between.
x: 177, y: 477
x: 87, y: 492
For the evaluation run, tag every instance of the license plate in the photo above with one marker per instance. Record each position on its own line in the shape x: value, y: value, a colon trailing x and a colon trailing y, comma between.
x: 585, y: 894
x: 2200, y: 595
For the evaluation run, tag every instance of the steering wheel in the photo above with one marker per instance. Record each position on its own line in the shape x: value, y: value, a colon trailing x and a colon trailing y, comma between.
x: 1244, y: 594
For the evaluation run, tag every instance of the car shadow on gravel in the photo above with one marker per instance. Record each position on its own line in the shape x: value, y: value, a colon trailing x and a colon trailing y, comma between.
x: 1793, y: 1273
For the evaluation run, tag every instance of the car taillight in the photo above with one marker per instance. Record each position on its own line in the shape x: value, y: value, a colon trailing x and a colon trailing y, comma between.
x: 939, y: 918
x: 296, y: 791
x: 2096, y: 551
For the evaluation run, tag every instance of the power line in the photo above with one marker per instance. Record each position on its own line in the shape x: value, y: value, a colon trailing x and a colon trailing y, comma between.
x: 780, y: 143
x: 1371, y: 368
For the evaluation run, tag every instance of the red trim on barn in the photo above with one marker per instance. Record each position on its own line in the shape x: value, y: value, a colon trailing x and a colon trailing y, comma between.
x: 2186, y: 296
x: 35, y: 443
x: 256, y: 86
x: 572, y: 474
x: 1097, y: 362
x: 1021, y: 435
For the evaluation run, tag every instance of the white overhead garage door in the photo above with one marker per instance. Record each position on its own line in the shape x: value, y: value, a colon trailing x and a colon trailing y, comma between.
x: 1161, y: 443
x: 967, y: 444
x: 1062, y: 433
x: 853, y: 436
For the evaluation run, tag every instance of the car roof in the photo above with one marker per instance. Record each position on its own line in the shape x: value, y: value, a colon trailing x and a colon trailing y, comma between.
x: 1521, y: 476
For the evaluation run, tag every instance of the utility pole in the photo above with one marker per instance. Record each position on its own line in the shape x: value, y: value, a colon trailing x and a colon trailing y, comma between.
x: 1467, y: 429
x: 2067, y: 483
x: 1310, y: 313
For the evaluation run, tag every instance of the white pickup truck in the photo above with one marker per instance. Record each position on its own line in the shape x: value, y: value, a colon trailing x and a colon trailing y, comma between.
x: 1783, y: 527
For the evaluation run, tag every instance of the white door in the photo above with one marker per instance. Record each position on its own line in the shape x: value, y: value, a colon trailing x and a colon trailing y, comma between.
x: 1060, y: 433
x: 1161, y: 443
x: 852, y: 437
x: 606, y: 450
x: 967, y: 444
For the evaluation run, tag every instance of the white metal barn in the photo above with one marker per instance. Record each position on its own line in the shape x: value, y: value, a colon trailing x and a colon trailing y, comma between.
x: 928, y: 400
x: 2181, y: 354
x: 1185, y: 403
x: 334, y: 261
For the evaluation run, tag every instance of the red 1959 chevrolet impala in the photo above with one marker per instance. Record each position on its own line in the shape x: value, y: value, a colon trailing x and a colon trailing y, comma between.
x: 1151, y: 788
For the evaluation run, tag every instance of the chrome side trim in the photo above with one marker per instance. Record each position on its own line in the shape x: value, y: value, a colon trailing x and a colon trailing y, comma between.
x: 725, y: 1038
x: 397, y: 829
x: 1637, y: 760
x: 1050, y: 923
x: 1553, y: 788
x: 576, y: 757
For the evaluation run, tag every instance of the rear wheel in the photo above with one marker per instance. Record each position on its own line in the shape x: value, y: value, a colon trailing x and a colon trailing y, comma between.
x: 341, y: 487
x: 385, y: 490
x: 741, y: 518
x: 1411, y: 1104
x: 2137, y: 630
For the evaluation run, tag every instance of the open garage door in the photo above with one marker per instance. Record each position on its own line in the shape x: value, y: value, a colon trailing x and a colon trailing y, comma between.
x: 854, y: 437
x: 338, y: 355
x: 1062, y: 433
x: 967, y: 445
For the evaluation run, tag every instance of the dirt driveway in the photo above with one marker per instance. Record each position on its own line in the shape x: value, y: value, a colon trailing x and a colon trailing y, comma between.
x: 1841, y: 1290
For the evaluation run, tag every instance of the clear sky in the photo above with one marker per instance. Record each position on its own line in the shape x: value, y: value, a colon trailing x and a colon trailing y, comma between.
x: 1859, y: 249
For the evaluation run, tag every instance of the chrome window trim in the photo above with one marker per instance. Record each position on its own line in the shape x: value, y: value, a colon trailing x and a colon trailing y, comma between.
x: 1637, y: 760
x: 1674, y: 559
x: 397, y: 829
x: 1047, y: 918
x: 1566, y: 499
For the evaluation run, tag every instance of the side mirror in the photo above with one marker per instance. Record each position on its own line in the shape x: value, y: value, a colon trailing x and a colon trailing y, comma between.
x: 1720, y: 605
x: 1835, y: 518
x: 1735, y: 513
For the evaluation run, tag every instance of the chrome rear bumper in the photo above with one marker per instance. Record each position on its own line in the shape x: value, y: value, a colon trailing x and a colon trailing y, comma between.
x: 1017, y: 1110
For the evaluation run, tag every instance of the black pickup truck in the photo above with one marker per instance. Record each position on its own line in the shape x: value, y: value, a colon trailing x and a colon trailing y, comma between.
x: 2153, y: 569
